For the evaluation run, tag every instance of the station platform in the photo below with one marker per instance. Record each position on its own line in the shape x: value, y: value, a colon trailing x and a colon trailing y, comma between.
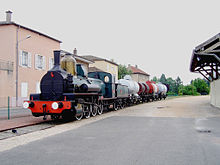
x: 19, y: 121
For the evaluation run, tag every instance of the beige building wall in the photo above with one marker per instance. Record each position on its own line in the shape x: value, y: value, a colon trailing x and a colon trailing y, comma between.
x: 215, y: 93
x: 28, y: 77
x: 139, y: 77
x: 7, y: 58
x: 107, y: 67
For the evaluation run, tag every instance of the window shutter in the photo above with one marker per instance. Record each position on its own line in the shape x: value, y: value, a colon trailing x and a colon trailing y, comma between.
x: 38, y: 87
x: 20, y: 57
x: 29, y: 59
x: 24, y: 89
x: 50, y: 63
x: 44, y: 63
x: 36, y: 61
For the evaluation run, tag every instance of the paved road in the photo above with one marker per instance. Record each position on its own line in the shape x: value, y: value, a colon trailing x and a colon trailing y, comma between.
x: 177, y: 131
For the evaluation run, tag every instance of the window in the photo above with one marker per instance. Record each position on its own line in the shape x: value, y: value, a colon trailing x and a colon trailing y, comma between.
x: 24, y: 89
x: 51, y: 62
x: 40, y: 62
x: 24, y: 58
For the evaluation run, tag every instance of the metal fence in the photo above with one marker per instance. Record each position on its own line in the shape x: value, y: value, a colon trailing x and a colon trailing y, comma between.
x: 8, y: 108
x: 11, y: 101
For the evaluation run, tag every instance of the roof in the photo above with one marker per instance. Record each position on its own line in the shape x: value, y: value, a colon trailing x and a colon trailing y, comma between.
x: 135, y: 70
x: 94, y: 69
x: 4, y: 23
x: 80, y: 58
x: 94, y: 58
x: 206, y: 58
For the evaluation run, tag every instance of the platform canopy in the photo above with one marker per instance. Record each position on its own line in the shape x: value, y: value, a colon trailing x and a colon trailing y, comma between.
x: 206, y: 59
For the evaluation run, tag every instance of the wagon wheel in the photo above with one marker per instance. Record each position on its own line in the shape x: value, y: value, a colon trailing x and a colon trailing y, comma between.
x: 94, y: 110
x: 86, y: 111
x: 100, y: 109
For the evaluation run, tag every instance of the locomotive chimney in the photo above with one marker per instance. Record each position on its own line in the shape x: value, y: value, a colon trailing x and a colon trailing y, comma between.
x: 75, y: 52
x: 8, y: 16
x: 56, y: 57
x: 56, y: 66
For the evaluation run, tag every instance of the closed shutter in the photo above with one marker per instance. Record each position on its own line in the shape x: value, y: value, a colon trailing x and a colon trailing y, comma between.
x: 20, y: 57
x: 44, y: 63
x: 38, y: 87
x: 29, y: 59
x: 24, y: 89
x: 36, y: 61
x: 50, y: 63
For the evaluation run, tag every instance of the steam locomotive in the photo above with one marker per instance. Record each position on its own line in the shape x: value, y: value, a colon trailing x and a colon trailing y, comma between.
x: 67, y: 90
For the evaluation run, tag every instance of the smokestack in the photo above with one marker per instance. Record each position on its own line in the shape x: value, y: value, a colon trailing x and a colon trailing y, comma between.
x: 8, y: 16
x: 56, y: 66
x: 75, y: 52
x: 56, y: 57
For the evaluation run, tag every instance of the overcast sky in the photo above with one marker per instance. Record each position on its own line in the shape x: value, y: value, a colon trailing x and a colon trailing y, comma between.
x: 158, y: 36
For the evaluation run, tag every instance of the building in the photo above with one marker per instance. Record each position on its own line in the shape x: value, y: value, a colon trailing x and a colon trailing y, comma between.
x: 103, y: 64
x: 206, y: 61
x: 25, y: 56
x: 137, y: 74
x: 79, y: 59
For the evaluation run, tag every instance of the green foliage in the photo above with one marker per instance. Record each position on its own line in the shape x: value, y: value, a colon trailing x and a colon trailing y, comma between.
x: 122, y: 71
x: 171, y: 93
x: 197, y: 86
x: 163, y: 79
x: 188, y: 90
x: 155, y: 79
x: 201, y: 86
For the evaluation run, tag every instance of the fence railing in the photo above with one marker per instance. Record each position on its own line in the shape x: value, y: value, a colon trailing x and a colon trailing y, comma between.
x: 4, y: 101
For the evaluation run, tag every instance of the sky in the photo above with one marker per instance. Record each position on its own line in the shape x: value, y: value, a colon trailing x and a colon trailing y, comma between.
x: 156, y: 35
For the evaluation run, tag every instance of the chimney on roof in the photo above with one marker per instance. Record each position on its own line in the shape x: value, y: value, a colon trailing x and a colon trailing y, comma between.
x: 129, y: 65
x: 136, y: 66
x: 8, y: 16
x: 75, y: 52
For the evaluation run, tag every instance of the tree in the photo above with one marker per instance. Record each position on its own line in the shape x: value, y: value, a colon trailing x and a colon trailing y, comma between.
x: 155, y: 79
x: 163, y: 79
x: 201, y: 86
x: 122, y: 71
x: 189, y: 90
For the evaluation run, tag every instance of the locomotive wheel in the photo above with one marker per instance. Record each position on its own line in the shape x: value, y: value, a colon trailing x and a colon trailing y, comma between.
x: 100, y: 109
x: 87, y: 112
x: 68, y: 115
x: 79, y: 117
x: 115, y: 107
x: 94, y: 110
x: 55, y: 116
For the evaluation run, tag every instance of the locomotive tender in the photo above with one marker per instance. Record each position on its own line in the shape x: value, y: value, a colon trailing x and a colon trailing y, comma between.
x: 67, y: 90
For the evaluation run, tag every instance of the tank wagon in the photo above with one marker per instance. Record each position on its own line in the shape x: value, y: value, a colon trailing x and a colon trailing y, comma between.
x: 68, y: 90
